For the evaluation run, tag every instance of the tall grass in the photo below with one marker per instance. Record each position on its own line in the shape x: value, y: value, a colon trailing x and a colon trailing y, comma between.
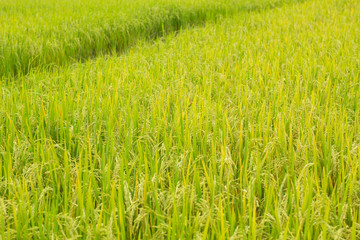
x: 51, y: 33
x: 242, y: 129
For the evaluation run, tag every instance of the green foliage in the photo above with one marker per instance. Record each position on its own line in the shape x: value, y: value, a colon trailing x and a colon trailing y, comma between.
x: 244, y: 128
x: 47, y: 33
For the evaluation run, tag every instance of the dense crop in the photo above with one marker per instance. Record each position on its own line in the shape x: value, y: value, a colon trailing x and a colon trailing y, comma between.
x: 244, y: 128
x: 43, y: 33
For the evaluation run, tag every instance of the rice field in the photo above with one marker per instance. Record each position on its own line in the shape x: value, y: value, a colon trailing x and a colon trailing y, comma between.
x: 48, y: 33
x: 180, y: 119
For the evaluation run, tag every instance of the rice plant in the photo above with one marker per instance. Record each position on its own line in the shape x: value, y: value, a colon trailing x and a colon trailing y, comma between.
x: 48, y: 33
x: 247, y: 127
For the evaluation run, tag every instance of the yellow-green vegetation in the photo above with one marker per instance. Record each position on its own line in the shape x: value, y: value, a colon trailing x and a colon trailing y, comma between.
x: 47, y: 33
x: 247, y: 127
